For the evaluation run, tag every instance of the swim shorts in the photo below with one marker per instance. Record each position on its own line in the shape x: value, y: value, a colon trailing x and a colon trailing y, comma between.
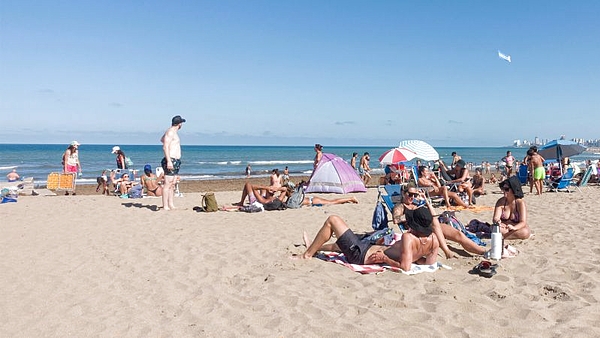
x: 353, y: 248
x: 176, y: 164
x: 539, y: 173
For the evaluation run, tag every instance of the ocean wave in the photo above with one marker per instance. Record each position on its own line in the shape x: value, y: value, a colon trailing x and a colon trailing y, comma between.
x: 6, y: 168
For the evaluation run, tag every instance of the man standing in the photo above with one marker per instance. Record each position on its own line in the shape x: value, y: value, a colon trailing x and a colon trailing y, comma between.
x: 364, y: 169
x: 172, y: 161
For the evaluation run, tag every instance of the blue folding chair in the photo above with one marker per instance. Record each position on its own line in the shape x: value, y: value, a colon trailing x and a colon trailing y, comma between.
x: 523, y: 173
x: 563, y: 183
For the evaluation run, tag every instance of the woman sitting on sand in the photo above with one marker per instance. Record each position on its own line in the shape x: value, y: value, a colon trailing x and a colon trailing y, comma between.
x: 511, y: 212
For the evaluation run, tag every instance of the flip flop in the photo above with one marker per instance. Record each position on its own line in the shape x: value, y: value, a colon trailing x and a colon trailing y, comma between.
x: 485, y: 269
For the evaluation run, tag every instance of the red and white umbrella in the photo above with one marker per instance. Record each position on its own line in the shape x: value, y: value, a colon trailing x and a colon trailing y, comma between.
x: 396, y: 155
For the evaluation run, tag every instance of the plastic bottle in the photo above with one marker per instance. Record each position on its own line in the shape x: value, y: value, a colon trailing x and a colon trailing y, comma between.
x: 496, y: 251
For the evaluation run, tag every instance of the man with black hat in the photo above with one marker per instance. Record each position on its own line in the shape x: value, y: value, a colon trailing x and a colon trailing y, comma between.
x: 416, y: 246
x: 172, y: 161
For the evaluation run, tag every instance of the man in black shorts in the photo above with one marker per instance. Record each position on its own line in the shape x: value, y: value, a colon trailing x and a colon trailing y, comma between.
x: 419, y: 245
x: 172, y: 160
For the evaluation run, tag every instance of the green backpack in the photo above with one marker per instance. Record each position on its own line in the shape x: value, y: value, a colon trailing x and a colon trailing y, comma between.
x: 209, y: 202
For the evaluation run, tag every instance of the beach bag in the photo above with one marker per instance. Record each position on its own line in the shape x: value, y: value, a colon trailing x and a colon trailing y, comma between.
x: 296, y: 199
x: 128, y: 162
x: 276, y: 204
x: 136, y: 191
x: 209, y: 202
x: 254, y: 207
x: 380, y: 219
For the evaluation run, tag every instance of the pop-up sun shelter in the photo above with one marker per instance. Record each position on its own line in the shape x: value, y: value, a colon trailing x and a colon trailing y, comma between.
x: 334, y: 175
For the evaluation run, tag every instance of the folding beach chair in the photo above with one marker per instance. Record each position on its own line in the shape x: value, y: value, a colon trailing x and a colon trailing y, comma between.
x: 390, y: 194
x: 523, y: 173
x: 561, y: 184
x: 583, y: 183
x: 435, y: 200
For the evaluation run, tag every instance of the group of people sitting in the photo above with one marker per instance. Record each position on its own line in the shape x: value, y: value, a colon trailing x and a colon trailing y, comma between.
x: 123, y: 185
x: 425, y: 234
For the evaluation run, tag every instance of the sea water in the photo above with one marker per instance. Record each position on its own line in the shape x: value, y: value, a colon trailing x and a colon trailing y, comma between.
x: 217, y: 162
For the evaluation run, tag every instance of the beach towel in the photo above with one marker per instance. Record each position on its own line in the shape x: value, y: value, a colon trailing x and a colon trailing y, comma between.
x: 339, y: 258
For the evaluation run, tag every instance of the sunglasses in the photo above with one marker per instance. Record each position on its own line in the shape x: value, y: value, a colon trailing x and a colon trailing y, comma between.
x: 412, y: 194
x: 125, y: 175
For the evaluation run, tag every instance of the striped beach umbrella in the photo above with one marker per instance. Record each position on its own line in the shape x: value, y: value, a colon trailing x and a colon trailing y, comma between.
x: 396, y: 155
x: 422, y: 149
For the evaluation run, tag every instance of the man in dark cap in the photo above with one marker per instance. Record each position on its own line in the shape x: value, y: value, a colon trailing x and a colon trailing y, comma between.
x: 172, y: 160
x: 460, y: 180
x: 418, y: 245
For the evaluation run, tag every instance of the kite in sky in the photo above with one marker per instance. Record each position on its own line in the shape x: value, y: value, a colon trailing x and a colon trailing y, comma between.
x: 504, y: 56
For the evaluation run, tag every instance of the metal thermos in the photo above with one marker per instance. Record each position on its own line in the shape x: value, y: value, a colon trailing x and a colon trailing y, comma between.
x: 496, y: 251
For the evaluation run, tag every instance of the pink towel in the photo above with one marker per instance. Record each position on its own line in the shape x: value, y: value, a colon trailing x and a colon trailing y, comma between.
x: 339, y: 258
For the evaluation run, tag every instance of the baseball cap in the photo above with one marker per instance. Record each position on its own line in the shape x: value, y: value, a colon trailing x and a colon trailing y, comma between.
x: 147, y: 167
x: 177, y: 120
x: 75, y: 143
x: 115, y: 149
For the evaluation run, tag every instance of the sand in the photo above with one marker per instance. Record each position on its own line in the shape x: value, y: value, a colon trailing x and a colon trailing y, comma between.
x: 91, y: 265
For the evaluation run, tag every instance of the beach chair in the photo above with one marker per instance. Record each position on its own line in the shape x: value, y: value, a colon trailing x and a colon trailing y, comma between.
x: 61, y: 182
x: 561, y: 184
x: 435, y: 200
x: 390, y: 194
x: 523, y: 174
x: 24, y: 187
x: 583, y: 183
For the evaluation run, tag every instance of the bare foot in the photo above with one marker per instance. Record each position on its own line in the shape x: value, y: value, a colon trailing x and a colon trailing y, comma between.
x: 354, y: 200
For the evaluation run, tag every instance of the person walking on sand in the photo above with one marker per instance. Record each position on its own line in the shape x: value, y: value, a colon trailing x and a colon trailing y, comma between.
x: 121, y: 158
x: 353, y: 161
x: 172, y: 161
x: 70, y: 161
x: 364, y: 169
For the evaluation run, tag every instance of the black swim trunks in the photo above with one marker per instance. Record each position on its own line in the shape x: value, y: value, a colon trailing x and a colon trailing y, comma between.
x: 353, y: 248
x: 176, y: 164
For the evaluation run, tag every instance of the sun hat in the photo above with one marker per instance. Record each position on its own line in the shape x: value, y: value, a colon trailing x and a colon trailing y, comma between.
x: 514, y: 184
x: 419, y: 220
x: 75, y: 143
x: 177, y: 120
x: 115, y: 149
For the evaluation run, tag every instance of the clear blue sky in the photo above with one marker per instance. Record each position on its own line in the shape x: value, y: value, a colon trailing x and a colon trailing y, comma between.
x: 299, y: 72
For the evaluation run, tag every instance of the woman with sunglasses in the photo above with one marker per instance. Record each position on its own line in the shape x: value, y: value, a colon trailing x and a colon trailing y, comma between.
x: 511, y: 212
x: 410, y: 201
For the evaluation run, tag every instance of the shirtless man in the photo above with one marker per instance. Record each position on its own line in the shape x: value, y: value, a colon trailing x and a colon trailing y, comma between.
x: 353, y: 162
x: 172, y: 160
x: 13, y: 176
x: 418, y: 245
x: 536, y: 163
x: 427, y: 179
x: 364, y: 169
x: 150, y: 182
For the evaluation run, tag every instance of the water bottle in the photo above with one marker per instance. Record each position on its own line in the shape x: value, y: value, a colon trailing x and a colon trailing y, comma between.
x: 496, y: 251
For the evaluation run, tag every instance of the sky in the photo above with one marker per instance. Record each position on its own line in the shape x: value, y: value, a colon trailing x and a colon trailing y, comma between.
x: 299, y: 72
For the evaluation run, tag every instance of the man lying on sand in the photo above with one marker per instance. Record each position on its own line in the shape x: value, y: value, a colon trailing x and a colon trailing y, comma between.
x: 418, y: 245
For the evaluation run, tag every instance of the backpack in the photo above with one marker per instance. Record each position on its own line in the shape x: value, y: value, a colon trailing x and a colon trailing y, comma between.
x: 128, y: 162
x: 136, y: 191
x: 296, y: 199
x: 275, y: 205
x: 380, y: 219
x: 209, y: 202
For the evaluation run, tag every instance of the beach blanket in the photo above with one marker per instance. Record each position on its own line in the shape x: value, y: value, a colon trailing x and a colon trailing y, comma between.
x: 339, y: 258
x: 474, y: 208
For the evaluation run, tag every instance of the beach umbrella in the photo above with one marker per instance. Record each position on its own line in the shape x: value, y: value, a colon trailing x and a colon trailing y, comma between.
x: 423, y: 149
x: 396, y: 155
x: 559, y: 149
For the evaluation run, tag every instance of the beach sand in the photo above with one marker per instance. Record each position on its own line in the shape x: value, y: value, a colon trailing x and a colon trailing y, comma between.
x: 92, y: 265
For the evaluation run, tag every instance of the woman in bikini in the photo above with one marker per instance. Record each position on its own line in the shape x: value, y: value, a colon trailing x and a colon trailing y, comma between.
x: 150, y: 182
x: 511, y: 212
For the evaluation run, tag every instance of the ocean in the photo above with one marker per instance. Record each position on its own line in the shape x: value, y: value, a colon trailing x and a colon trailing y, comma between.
x: 215, y: 162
